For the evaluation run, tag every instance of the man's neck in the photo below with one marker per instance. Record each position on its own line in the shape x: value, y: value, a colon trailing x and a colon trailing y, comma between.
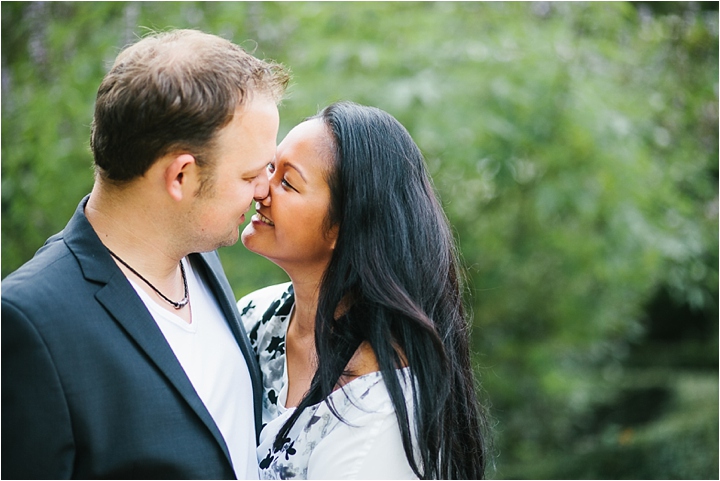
x: 122, y: 221
x: 141, y: 240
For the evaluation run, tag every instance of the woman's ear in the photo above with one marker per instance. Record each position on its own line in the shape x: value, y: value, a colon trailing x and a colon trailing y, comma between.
x: 333, y: 235
x: 181, y: 176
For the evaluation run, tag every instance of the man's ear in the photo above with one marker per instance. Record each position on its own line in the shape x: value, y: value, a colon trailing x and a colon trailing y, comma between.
x: 180, y: 176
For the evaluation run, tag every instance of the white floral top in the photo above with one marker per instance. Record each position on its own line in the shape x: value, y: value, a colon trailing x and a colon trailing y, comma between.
x: 321, y: 446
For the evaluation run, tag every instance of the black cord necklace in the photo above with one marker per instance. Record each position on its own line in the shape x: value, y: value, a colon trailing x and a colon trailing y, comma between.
x: 177, y: 305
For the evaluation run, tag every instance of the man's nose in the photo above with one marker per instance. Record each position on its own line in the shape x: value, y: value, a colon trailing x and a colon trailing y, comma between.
x: 262, y: 188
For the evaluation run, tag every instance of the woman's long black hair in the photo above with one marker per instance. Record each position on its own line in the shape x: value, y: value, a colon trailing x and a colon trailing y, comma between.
x: 396, y: 273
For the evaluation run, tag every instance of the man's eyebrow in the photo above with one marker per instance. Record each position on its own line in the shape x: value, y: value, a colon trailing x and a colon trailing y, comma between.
x: 259, y: 171
x: 294, y: 167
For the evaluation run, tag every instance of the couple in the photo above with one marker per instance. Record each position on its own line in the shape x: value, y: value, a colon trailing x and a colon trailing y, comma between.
x: 124, y: 354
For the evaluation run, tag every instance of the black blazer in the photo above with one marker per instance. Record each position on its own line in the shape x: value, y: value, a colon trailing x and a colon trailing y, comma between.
x: 90, y: 386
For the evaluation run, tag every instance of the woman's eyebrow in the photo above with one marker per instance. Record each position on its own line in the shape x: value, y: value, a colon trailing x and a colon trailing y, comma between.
x: 294, y: 167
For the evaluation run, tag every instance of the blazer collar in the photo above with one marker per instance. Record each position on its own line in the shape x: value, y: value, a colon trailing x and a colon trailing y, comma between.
x: 90, y: 252
x: 127, y: 309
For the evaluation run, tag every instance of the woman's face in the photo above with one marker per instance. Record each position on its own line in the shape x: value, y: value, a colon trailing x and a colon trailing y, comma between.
x: 289, y: 227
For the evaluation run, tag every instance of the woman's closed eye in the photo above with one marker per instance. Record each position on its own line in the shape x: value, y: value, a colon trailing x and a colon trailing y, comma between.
x: 284, y: 182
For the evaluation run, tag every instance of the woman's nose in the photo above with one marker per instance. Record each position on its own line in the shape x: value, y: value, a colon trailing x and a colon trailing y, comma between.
x: 265, y: 201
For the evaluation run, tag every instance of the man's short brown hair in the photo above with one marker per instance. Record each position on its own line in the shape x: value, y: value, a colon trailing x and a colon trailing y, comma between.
x: 172, y: 92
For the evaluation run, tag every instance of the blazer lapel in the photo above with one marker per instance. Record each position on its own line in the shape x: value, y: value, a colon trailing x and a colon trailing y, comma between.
x: 124, y: 305
x: 210, y: 266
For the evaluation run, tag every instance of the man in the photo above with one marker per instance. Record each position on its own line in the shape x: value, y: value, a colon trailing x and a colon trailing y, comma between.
x: 122, y: 354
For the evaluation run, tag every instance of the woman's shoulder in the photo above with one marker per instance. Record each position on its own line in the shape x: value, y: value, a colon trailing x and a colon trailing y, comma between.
x: 261, y: 300
x: 258, y: 307
x: 368, y: 444
x: 370, y: 392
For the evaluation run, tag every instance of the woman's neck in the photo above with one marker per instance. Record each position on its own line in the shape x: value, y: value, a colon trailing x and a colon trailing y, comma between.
x: 300, y: 341
x: 306, y: 286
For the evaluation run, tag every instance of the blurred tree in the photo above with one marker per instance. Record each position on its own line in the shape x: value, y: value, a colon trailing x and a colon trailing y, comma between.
x: 574, y: 145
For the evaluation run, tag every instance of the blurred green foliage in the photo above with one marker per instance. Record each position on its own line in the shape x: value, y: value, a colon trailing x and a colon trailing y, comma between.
x: 574, y: 146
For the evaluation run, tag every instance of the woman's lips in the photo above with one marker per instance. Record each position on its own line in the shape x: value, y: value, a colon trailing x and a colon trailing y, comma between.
x: 264, y: 219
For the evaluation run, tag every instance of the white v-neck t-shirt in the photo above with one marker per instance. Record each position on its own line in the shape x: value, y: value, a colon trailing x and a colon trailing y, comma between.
x: 212, y: 360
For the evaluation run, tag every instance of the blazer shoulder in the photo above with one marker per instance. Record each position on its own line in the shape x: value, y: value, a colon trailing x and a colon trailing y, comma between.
x: 54, y: 283
x: 50, y: 264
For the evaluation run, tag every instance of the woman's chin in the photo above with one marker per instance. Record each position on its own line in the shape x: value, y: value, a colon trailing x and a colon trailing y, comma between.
x: 249, y: 238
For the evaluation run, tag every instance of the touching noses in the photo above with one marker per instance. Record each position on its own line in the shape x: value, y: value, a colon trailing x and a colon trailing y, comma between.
x: 265, y: 200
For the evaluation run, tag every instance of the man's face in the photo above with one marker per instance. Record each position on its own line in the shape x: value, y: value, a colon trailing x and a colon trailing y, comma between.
x: 242, y: 152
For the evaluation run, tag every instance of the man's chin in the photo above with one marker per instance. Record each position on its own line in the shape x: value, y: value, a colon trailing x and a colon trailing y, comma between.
x: 231, y: 241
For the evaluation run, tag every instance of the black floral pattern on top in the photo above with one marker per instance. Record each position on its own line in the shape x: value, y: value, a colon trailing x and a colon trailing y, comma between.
x: 266, y: 314
x: 257, y: 310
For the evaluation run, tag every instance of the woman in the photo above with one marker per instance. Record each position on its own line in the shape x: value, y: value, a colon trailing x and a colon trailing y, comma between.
x: 367, y: 347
